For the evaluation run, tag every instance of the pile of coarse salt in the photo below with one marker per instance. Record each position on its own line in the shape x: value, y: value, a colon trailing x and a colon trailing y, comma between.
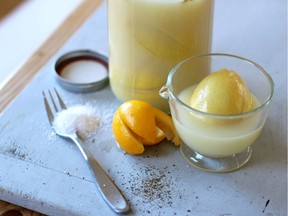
x: 79, y: 118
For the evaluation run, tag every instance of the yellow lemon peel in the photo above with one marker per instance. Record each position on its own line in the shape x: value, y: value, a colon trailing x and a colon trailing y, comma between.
x: 136, y: 123
x: 222, y: 92
x: 124, y: 136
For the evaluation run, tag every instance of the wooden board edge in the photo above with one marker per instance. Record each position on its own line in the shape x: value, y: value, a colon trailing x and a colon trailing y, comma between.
x: 33, y: 65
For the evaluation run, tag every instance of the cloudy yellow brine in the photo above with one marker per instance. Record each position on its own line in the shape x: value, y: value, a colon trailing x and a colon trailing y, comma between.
x: 148, y: 37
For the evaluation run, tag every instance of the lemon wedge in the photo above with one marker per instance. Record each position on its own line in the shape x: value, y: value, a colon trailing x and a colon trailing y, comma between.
x: 137, y: 124
x: 222, y: 92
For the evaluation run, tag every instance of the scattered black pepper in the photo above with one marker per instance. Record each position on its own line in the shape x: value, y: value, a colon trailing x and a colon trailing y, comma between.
x: 16, y: 152
x: 154, y: 186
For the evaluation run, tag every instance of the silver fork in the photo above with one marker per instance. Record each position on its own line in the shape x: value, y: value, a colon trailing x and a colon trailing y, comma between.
x: 108, y: 189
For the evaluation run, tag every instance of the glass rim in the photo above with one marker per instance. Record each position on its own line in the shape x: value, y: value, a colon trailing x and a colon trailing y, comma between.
x: 220, y: 116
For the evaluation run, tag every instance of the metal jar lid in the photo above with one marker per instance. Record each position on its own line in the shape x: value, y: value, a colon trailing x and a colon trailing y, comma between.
x: 82, y: 71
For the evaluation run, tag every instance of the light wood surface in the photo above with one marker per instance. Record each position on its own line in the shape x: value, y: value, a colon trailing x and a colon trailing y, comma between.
x: 32, y: 66
x: 8, y: 6
x: 8, y: 209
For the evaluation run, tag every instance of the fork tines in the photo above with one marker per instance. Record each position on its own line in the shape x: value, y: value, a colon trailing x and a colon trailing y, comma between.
x: 47, y: 106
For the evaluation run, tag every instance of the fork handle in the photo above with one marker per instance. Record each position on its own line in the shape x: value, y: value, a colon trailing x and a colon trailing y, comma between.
x: 108, y: 189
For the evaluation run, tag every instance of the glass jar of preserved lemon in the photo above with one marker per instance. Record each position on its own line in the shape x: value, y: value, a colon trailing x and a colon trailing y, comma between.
x: 148, y: 37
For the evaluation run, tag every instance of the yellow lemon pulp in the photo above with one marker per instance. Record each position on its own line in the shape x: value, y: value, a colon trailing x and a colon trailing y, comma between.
x: 165, y: 122
x: 140, y: 118
x: 124, y: 136
x: 136, y: 123
x: 222, y: 92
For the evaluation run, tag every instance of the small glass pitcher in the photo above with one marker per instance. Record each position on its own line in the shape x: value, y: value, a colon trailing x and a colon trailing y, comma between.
x: 217, y: 142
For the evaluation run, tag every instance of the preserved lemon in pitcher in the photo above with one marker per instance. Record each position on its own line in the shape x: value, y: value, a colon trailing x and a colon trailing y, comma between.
x: 147, y: 38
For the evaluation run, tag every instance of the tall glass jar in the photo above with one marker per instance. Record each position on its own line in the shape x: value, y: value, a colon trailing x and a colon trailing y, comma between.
x: 148, y: 37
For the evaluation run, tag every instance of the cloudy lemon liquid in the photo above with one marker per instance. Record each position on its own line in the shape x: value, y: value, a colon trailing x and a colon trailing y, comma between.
x: 147, y: 38
x: 213, y: 137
